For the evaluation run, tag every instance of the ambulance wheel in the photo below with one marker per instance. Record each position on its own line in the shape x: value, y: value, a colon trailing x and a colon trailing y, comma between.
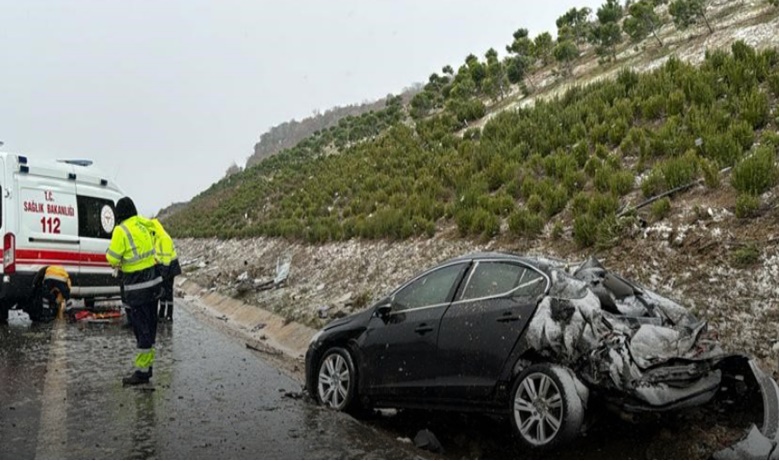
x: 3, y: 313
x: 35, y: 311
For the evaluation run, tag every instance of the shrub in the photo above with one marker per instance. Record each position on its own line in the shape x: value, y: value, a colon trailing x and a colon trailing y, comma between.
x: 722, y: 148
x: 747, y: 206
x: 773, y: 82
x: 661, y: 208
x: 603, y: 178
x: 581, y: 153
x: 525, y: 223
x: 534, y: 203
x: 770, y: 138
x: 754, y: 108
x: 675, y: 104
x: 653, y: 183
x: 635, y: 143
x: 555, y: 200
x: 756, y: 173
x: 485, y: 224
x: 602, y: 205
x: 585, y: 230
x: 745, y: 256
x: 580, y: 203
x: 652, y: 108
x: 621, y: 182
x: 743, y: 133
x: 618, y: 131
x: 592, y: 166
x: 557, y: 230
x: 710, y: 173
x: 679, y: 171
x: 608, y: 232
x: 574, y: 181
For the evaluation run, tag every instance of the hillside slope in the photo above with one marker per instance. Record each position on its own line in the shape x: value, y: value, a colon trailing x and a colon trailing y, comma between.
x: 571, y: 160
x: 546, y: 174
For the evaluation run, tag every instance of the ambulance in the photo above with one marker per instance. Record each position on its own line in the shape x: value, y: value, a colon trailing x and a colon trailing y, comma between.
x: 54, y: 213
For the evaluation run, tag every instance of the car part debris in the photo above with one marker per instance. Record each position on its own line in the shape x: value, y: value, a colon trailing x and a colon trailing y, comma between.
x: 426, y: 440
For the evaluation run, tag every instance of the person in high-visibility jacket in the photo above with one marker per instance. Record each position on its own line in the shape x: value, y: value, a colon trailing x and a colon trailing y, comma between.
x: 168, y: 264
x: 52, y: 285
x: 132, y: 252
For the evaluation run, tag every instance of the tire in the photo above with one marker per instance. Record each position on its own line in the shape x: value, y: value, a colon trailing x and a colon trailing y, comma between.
x: 546, y: 411
x: 336, y: 380
x: 3, y: 313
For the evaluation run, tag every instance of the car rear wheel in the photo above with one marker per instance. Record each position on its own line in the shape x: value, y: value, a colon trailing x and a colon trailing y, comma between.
x: 337, y: 380
x: 546, y: 411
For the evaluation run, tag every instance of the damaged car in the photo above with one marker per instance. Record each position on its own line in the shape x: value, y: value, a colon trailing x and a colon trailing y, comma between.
x: 537, y: 340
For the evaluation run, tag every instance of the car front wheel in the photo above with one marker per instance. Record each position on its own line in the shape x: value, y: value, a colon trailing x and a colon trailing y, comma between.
x: 546, y: 411
x: 337, y: 380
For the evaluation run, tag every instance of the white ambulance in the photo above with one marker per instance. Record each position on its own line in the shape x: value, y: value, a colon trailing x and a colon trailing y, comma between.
x: 54, y: 213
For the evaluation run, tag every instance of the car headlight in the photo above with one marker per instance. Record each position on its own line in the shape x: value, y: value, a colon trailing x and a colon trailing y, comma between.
x: 316, y: 337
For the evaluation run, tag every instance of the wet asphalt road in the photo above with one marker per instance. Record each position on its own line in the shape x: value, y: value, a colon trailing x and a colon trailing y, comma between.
x: 61, y: 397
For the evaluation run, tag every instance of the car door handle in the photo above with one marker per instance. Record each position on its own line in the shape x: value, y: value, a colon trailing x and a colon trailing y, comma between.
x: 423, y: 328
x: 508, y: 317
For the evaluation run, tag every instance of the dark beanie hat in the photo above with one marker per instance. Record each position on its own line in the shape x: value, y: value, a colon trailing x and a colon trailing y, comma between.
x: 125, y: 208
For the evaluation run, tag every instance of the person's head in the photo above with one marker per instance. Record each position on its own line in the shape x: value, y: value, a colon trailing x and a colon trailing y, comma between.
x: 125, y: 209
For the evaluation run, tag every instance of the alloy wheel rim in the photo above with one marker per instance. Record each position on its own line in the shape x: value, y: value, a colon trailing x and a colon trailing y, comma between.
x: 538, y: 408
x: 334, y: 381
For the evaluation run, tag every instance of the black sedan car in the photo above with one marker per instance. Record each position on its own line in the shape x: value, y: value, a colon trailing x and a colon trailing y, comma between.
x: 531, y: 338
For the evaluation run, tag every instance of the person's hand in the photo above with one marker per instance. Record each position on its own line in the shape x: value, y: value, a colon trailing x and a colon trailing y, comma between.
x: 115, y: 273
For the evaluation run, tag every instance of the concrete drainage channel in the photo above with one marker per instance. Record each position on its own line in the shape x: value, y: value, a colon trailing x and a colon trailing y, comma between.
x: 283, y: 343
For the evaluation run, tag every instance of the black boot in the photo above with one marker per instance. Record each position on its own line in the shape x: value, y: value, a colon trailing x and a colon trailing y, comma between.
x: 138, y: 377
x: 161, y: 314
x: 169, y: 315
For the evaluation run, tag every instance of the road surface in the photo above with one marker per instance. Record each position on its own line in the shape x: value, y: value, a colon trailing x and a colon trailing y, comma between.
x: 61, y: 397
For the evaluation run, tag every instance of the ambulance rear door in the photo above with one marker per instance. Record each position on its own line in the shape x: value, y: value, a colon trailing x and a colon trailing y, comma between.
x: 48, y: 223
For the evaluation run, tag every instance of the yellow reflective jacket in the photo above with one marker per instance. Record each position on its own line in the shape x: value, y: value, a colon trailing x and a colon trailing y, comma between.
x: 132, y: 246
x: 57, y: 273
x: 163, y: 243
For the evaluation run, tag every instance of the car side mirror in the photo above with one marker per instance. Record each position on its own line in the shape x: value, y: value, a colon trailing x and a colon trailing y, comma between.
x: 382, y: 310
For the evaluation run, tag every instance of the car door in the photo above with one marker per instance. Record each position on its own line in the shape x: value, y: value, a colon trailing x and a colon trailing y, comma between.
x: 398, y: 348
x: 481, y: 327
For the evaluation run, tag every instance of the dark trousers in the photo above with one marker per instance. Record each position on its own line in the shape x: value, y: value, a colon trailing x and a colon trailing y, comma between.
x: 144, y: 321
x: 166, y: 302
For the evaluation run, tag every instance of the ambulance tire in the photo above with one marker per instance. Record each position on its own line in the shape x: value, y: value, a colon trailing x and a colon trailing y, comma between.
x: 3, y: 313
x: 36, y: 311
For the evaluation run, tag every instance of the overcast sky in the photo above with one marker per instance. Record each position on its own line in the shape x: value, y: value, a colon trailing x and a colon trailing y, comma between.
x: 165, y: 95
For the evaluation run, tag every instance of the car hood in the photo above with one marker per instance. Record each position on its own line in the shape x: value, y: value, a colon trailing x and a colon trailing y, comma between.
x: 351, y: 318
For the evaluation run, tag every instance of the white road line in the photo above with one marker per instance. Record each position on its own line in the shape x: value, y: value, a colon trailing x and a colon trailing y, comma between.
x: 53, y: 431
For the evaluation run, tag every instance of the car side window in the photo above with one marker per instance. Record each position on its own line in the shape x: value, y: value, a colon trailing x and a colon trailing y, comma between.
x: 494, y: 278
x: 433, y: 288
x: 491, y: 279
x: 531, y: 284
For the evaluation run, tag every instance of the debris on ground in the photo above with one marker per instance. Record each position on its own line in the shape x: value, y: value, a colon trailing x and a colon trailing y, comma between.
x: 108, y: 311
x: 426, y: 440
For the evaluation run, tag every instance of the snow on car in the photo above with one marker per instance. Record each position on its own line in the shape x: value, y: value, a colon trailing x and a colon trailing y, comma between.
x: 537, y: 340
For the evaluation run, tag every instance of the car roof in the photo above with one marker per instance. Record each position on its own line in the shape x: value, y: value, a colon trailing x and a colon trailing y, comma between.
x: 542, y: 263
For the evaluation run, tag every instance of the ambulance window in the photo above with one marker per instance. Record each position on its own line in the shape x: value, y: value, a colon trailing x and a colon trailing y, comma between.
x: 95, y: 217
